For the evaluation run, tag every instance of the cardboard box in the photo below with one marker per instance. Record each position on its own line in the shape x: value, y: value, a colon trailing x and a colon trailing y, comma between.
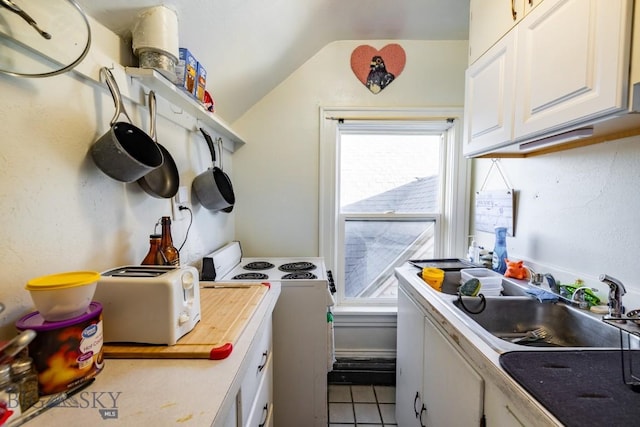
x: 186, y: 71
x: 201, y: 82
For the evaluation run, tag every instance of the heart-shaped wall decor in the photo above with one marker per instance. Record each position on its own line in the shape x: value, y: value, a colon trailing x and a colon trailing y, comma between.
x: 376, y: 69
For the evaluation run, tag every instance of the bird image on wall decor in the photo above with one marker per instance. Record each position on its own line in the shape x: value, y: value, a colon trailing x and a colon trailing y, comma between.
x: 378, y: 77
x: 377, y: 69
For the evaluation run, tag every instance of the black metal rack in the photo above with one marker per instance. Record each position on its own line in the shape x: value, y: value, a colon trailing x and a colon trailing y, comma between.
x: 629, y: 348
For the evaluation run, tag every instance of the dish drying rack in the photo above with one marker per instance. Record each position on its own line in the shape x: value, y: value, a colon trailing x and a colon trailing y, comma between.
x: 629, y: 327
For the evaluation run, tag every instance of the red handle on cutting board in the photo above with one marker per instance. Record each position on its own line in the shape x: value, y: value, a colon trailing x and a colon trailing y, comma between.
x: 221, y: 352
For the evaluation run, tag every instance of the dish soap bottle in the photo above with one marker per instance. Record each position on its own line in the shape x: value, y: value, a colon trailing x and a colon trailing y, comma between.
x: 500, y: 251
x: 474, y: 251
x: 168, y: 252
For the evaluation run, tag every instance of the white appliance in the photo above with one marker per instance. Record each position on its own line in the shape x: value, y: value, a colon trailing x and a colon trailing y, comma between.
x: 302, y: 337
x: 148, y: 304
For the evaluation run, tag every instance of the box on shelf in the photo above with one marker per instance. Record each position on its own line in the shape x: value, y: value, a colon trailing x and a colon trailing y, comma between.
x: 201, y: 82
x: 490, y: 281
x: 186, y: 71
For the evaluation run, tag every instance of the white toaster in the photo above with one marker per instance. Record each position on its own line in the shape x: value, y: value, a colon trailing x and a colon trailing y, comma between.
x: 148, y: 304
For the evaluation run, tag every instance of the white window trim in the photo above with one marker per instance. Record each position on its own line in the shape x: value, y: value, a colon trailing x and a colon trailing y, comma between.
x: 454, y: 223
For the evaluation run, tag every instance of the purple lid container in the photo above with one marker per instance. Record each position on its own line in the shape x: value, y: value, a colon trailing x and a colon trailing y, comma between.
x: 36, y: 322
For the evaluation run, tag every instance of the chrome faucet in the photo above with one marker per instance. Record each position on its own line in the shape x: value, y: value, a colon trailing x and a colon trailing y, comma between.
x: 616, y: 291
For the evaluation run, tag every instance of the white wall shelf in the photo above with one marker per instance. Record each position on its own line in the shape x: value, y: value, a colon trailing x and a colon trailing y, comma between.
x: 166, y: 89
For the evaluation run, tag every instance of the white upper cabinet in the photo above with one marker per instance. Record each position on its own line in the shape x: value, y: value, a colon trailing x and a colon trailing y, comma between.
x: 562, y: 68
x: 573, y: 57
x: 492, y: 19
x: 489, y: 95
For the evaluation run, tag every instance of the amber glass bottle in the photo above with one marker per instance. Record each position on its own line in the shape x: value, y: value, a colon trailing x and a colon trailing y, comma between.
x: 170, y: 254
x: 153, y: 256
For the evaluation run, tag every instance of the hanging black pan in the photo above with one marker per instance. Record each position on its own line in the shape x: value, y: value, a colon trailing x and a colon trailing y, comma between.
x: 213, y: 187
x: 162, y: 182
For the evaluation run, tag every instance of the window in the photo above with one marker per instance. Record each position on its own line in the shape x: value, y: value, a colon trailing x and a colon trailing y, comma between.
x: 386, y: 197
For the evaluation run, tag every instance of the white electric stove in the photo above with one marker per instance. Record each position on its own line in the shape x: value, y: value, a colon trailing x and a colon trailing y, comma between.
x: 302, y: 332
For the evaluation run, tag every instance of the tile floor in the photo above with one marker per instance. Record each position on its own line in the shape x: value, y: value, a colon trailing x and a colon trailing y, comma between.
x: 361, y: 405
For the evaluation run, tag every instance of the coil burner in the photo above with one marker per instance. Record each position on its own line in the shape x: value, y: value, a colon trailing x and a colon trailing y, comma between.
x: 258, y: 265
x: 297, y: 266
x: 304, y: 275
x: 250, y: 276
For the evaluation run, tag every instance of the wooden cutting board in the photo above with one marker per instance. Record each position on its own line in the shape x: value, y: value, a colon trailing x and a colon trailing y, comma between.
x: 225, y: 312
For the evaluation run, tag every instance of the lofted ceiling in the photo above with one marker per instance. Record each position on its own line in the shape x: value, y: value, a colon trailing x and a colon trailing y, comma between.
x: 249, y: 46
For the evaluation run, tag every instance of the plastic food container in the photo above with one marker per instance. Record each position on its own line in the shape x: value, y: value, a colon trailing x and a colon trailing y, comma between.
x: 68, y: 352
x: 63, y: 296
x: 490, y: 281
x: 434, y: 277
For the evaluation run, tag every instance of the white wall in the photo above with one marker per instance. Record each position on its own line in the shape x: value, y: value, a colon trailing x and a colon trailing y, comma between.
x: 59, y: 211
x: 577, y: 214
x: 276, y: 173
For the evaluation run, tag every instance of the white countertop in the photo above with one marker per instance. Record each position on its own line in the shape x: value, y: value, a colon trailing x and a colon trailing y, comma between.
x: 159, y: 392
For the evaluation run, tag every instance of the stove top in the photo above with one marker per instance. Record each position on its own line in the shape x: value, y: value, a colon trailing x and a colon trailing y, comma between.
x: 303, y: 268
x: 227, y: 264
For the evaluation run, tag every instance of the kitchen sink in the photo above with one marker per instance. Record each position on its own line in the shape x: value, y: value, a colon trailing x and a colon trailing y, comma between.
x: 565, y: 326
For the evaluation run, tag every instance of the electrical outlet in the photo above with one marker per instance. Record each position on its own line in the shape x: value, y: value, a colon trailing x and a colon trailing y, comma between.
x: 180, y: 199
x: 176, y: 213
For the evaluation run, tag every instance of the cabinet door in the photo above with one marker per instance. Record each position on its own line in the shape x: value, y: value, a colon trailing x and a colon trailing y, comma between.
x: 408, y: 361
x: 572, y: 63
x: 489, y: 20
x: 453, y: 390
x: 500, y: 410
x: 489, y: 96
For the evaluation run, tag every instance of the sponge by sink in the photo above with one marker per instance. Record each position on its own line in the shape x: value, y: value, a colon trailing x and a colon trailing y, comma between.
x: 470, y: 288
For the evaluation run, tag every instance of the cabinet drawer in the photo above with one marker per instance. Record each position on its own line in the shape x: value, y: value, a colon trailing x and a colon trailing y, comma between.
x: 259, y: 361
x: 262, y: 409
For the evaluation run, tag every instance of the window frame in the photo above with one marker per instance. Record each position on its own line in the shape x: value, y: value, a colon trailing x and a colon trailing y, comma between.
x: 451, y: 227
